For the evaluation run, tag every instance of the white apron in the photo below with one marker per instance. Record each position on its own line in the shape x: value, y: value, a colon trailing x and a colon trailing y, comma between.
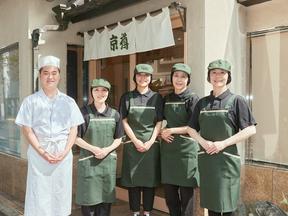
x: 49, y: 186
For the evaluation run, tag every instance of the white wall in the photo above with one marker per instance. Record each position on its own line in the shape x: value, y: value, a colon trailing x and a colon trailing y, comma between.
x: 225, y: 38
x: 14, y: 20
x: 267, y: 15
x: 216, y: 29
x: 195, y: 24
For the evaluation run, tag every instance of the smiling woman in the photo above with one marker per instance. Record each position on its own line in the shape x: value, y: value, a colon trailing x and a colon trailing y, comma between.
x: 98, y: 137
x: 220, y: 121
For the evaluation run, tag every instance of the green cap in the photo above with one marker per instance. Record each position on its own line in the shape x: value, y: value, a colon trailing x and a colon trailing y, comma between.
x: 181, y: 67
x: 143, y: 68
x: 220, y: 64
x: 100, y: 83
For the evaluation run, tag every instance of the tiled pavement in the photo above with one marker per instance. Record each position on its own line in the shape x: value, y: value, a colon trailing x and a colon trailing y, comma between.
x: 9, y: 207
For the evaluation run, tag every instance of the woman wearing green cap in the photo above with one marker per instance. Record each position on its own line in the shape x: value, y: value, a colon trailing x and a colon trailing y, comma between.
x: 98, y: 137
x: 141, y: 111
x: 222, y: 120
x: 178, y: 150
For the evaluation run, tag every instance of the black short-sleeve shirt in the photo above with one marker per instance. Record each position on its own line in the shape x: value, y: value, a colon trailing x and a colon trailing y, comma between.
x: 240, y: 114
x: 119, y: 130
x: 147, y: 99
x: 187, y: 96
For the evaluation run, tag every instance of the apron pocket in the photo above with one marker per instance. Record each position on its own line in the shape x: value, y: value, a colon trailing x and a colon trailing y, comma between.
x: 87, y: 168
x: 232, y: 165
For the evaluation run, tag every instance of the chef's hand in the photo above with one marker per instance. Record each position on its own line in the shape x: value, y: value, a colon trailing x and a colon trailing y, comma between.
x: 139, y: 145
x: 167, y: 135
x: 102, y: 153
x: 61, y: 155
x: 49, y: 158
x: 216, y: 147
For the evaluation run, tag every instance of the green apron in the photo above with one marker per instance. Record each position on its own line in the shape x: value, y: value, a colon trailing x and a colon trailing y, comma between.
x: 180, y: 155
x: 141, y: 169
x: 219, y: 173
x: 96, y: 178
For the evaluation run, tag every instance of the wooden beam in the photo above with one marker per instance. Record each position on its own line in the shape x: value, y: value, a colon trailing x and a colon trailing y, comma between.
x: 132, y: 64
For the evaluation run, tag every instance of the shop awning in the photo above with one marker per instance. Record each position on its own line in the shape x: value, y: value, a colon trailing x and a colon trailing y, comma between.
x: 89, y: 9
x: 251, y: 2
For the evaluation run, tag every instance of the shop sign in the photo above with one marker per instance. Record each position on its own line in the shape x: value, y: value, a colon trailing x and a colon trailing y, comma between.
x: 153, y: 32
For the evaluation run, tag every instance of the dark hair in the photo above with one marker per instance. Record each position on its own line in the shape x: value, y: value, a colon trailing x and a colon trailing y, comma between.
x: 134, y: 78
x: 171, y: 77
x: 228, y: 80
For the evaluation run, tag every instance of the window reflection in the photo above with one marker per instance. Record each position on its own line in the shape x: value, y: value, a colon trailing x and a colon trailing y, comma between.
x: 9, y: 100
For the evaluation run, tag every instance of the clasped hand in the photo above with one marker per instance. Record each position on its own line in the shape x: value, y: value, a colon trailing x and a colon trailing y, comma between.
x: 213, y: 147
x: 142, y: 147
x: 167, y: 135
x: 54, y: 158
x: 100, y: 153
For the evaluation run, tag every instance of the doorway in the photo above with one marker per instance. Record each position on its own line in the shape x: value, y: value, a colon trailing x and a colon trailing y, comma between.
x: 77, y: 77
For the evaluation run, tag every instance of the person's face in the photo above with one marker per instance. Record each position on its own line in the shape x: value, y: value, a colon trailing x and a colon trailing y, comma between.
x: 100, y: 94
x: 49, y: 77
x: 143, y: 79
x: 179, y: 80
x: 218, y: 77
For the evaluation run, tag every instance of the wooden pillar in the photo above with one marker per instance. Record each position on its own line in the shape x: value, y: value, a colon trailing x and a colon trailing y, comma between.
x: 185, y: 47
x: 92, y: 70
x: 132, y: 64
x: 98, y: 68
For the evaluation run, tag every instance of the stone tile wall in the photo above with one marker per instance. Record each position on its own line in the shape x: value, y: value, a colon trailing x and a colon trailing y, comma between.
x: 264, y: 184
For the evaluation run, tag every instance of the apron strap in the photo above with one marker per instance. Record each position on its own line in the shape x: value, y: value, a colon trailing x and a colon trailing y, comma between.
x: 89, y: 109
x: 131, y: 101
x: 90, y: 112
x: 113, y: 113
x: 230, y: 102
x: 187, y: 102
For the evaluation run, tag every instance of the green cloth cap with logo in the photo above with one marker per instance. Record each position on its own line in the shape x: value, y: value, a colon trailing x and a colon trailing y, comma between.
x: 220, y: 64
x: 181, y: 67
x: 100, y: 83
x: 143, y: 68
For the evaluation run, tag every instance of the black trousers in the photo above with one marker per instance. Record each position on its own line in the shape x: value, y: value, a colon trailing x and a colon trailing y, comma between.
x: 211, y: 213
x: 179, y: 200
x: 101, y: 209
x: 135, y: 198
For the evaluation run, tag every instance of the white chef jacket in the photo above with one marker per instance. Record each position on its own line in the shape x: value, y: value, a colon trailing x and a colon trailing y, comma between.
x: 49, y: 186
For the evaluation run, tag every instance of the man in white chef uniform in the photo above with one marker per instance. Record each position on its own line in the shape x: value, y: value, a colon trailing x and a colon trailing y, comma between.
x: 49, y: 120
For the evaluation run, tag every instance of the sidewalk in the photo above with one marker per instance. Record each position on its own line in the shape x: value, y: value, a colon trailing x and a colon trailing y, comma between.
x: 9, y: 207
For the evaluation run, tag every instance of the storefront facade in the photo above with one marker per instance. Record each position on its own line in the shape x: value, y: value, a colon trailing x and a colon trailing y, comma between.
x: 211, y: 30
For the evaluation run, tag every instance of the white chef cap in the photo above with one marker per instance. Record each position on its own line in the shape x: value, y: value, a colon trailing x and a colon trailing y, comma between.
x: 48, y: 61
